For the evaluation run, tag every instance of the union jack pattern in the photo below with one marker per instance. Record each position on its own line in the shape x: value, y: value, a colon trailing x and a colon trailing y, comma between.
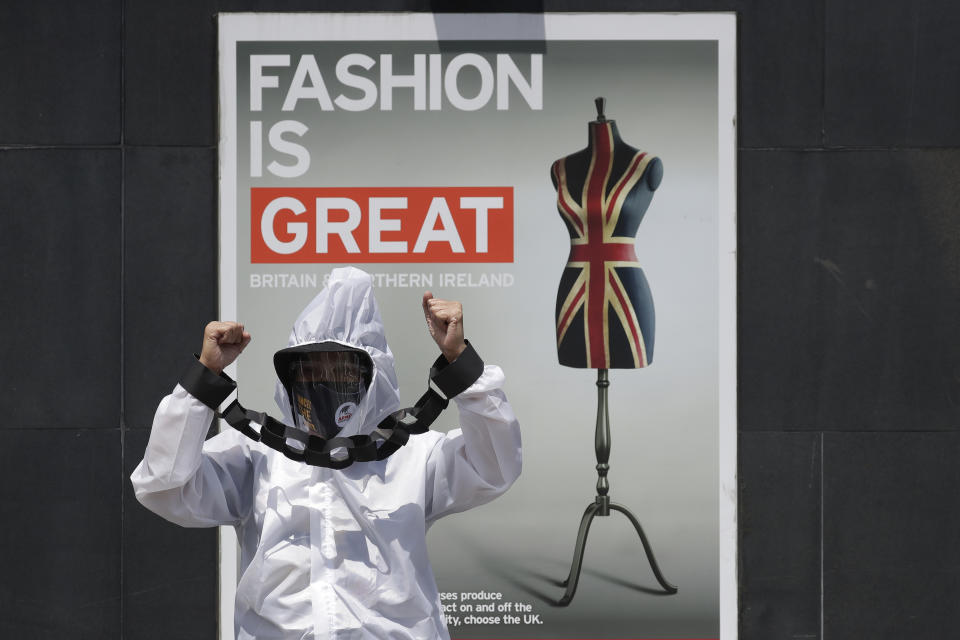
x: 598, y: 253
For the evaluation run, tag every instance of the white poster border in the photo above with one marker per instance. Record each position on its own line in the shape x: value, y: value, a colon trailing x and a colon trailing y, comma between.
x: 720, y: 27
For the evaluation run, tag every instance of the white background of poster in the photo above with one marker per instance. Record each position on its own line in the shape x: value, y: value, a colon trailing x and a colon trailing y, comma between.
x: 669, y: 82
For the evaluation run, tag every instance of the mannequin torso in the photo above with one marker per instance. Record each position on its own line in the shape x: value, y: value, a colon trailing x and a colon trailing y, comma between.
x: 604, y: 311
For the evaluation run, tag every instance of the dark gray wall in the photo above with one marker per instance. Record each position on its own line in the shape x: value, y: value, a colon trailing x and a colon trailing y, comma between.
x: 849, y: 278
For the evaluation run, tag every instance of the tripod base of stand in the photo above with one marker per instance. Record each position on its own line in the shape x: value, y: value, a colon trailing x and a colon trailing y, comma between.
x: 602, y: 508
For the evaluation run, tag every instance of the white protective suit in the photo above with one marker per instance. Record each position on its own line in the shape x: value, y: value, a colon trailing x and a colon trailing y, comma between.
x: 326, y: 553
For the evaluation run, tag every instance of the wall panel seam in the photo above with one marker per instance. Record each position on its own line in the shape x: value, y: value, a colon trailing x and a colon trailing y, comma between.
x: 123, y: 327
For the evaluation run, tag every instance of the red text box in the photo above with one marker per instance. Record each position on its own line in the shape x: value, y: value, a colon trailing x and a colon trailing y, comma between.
x: 381, y: 224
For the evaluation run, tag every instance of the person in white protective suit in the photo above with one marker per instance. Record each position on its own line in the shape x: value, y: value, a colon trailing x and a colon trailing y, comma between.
x: 329, y: 553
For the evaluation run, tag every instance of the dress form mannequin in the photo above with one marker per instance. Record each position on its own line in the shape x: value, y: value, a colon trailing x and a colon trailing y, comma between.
x: 604, y: 310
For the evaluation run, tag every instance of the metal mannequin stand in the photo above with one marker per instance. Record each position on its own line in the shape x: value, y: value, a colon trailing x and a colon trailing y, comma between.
x: 602, y: 505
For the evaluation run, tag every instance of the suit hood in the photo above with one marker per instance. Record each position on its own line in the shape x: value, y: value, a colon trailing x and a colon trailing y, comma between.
x: 345, y: 312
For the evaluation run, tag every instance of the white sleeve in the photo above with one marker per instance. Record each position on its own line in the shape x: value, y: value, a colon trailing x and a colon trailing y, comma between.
x: 186, y: 480
x: 476, y: 463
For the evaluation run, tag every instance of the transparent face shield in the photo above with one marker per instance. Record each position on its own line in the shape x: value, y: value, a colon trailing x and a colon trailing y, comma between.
x: 327, y: 389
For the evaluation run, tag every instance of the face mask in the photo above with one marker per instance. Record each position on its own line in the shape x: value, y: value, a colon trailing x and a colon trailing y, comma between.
x: 324, y: 408
x: 326, y: 390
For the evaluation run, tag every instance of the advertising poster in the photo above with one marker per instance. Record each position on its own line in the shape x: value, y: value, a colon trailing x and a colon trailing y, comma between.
x: 421, y: 149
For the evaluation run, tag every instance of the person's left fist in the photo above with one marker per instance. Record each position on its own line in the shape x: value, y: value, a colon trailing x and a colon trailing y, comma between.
x: 445, y: 323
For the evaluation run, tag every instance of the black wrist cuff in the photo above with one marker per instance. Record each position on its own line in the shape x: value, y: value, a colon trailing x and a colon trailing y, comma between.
x: 206, y: 386
x: 453, y: 378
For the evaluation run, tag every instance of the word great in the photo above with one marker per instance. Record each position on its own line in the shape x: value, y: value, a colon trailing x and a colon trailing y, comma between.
x: 381, y: 224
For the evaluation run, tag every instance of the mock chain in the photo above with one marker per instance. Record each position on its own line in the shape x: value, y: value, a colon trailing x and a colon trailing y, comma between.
x: 392, y: 433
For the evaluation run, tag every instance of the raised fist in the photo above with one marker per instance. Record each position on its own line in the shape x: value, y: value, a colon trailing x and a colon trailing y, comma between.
x: 222, y: 343
x: 445, y: 323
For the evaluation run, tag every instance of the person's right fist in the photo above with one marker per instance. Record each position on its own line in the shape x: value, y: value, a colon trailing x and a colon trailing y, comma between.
x: 222, y: 343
